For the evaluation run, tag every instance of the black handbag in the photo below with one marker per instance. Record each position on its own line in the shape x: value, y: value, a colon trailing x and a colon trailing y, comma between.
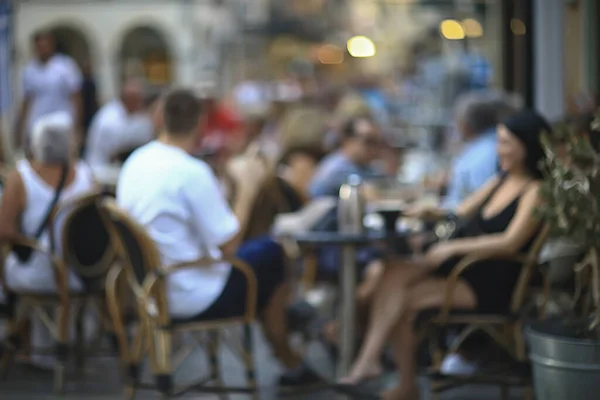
x: 23, y: 253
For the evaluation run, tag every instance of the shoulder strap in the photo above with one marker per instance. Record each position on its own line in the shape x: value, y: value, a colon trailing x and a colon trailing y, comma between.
x: 493, y: 192
x: 58, y: 191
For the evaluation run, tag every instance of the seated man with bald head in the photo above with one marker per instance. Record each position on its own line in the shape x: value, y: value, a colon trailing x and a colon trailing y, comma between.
x: 120, y: 126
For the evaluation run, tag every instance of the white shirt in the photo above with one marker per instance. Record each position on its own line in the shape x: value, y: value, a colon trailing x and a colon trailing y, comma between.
x: 50, y: 85
x: 114, y: 130
x: 177, y: 199
x: 37, y: 274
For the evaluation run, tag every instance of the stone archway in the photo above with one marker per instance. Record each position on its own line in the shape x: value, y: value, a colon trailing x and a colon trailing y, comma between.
x: 145, y: 54
x: 72, y: 42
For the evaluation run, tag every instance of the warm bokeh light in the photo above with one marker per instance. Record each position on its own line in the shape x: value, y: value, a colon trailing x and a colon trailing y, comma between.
x: 452, y: 30
x: 517, y: 26
x: 330, y: 54
x: 361, y: 47
x: 472, y: 28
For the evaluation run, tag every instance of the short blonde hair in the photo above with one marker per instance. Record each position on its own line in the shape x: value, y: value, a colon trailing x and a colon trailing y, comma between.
x: 51, y: 138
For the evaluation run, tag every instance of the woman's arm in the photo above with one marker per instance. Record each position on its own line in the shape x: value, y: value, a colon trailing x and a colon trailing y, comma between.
x: 520, y: 230
x: 468, y: 207
x: 13, y: 204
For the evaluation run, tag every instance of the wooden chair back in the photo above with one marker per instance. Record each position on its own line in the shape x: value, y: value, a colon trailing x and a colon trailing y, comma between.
x: 139, y: 255
x: 530, y: 264
x: 87, y: 247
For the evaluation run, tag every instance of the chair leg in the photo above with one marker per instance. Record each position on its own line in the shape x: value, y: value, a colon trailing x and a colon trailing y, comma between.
x: 59, y: 366
x: 161, y: 360
x: 129, y: 392
x: 528, y: 393
x: 519, y: 340
x: 133, y: 372
x: 62, y: 349
x: 215, y: 366
x: 8, y: 350
x: 80, y: 339
x: 504, y: 392
x: 249, y: 361
x: 13, y: 338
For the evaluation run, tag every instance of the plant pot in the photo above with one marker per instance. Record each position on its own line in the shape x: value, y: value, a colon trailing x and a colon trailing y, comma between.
x: 566, y: 364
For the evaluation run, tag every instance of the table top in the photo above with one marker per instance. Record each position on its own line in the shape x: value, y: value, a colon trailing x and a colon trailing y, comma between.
x: 340, y: 238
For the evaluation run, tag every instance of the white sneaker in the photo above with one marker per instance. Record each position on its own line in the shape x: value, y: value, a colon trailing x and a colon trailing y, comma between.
x: 455, y: 364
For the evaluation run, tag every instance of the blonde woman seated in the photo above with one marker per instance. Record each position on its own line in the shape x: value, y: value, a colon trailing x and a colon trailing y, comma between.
x: 497, y: 220
x: 28, y: 195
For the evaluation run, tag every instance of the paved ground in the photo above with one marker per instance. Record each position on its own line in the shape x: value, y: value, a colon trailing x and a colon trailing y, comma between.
x: 101, y: 381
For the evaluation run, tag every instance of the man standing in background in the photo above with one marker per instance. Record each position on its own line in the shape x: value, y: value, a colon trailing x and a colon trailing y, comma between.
x: 51, y: 83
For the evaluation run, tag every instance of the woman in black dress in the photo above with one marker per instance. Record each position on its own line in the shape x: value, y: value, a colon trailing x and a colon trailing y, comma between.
x: 497, y: 220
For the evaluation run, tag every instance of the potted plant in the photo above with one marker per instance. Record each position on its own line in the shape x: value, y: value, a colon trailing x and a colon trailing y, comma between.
x: 565, y: 352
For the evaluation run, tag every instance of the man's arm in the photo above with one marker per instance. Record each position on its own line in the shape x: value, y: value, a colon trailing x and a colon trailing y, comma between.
x: 19, y: 136
x: 77, y: 104
x: 212, y: 217
x: 244, y: 200
x: 138, y: 131
x: 74, y: 81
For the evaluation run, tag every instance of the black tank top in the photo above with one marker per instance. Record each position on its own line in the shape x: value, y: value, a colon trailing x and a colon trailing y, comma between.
x: 478, y: 225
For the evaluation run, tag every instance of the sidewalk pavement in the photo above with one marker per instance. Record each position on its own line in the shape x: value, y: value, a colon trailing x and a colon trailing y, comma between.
x: 101, y: 379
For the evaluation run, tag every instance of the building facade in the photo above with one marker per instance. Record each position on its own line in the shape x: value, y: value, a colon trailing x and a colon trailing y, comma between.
x: 552, y: 53
x: 164, y: 41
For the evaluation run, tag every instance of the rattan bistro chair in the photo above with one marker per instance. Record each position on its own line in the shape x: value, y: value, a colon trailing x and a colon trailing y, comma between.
x: 504, y: 330
x: 86, y: 250
x: 146, y: 278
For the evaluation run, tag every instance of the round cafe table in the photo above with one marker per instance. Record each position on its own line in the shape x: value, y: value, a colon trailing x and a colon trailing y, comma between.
x: 349, y: 243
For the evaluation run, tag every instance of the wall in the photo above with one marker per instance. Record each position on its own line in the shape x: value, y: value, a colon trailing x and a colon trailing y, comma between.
x: 573, y: 54
x: 549, y: 59
x: 104, y: 26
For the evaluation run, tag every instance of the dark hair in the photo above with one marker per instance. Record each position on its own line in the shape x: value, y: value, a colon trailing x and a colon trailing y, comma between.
x: 528, y: 126
x: 182, y: 111
x: 314, y: 152
x: 42, y: 34
x: 349, y: 128
x: 482, y: 111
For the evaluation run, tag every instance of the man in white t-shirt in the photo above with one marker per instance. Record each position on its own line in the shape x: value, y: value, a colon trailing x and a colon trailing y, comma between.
x: 120, y: 126
x: 177, y: 198
x: 51, y: 83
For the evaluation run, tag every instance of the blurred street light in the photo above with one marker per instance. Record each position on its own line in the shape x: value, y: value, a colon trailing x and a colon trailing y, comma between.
x: 452, y: 30
x: 361, y: 47
x: 330, y: 54
x: 517, y: 26
x: 472, y: 28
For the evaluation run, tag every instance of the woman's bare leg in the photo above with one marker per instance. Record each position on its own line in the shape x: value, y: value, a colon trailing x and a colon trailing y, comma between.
x: 370, y: 283
x: 387, y: 308
x: 274, y: 321
x: 364, y: 297
x: 405, y: 344
x: 430, y: 293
